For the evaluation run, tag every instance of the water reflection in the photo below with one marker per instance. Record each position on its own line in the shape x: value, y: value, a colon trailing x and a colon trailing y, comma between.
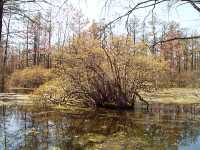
x: 164, y: 127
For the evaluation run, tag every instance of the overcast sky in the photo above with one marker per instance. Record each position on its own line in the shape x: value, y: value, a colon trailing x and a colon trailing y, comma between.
x: 186, y: 15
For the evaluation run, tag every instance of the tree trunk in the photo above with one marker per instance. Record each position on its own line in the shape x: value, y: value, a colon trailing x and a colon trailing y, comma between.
x: 1, y: 24
x: 192, y: 62
x: 5, y: 55
x: 1, y: 20
x: 27, y: 46
x: 35, y: 51
x: 49, y: 59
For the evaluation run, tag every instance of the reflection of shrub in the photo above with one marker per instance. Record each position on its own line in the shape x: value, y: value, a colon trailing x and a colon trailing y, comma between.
x: 30, y: 77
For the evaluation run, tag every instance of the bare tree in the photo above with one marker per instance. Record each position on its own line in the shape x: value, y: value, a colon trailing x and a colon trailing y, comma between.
x: 152, y: 4
x: 132, y: 26
x: 5, y: 56
x: 13, y: 7
x: 27, y: 44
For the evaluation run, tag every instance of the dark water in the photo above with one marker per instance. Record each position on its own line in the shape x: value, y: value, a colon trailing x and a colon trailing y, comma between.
x: 163, y: 128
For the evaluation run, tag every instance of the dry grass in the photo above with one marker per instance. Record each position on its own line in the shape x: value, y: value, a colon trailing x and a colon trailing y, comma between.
x: 167, y: 96
x: 175, y: 95
x: 15, y: 99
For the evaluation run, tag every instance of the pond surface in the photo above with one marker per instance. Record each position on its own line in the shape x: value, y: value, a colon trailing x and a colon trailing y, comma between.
x: 164, y: 127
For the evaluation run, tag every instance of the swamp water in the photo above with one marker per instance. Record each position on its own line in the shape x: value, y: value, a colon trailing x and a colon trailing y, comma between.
x: 163, y: 127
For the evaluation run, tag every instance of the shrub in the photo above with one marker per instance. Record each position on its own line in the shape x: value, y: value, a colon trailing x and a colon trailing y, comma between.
x: 97, y: 77
x: 113, y: 76
x: 30, y: 77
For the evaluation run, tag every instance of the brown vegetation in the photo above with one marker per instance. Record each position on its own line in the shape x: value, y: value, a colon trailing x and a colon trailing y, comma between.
x: 29, y: 78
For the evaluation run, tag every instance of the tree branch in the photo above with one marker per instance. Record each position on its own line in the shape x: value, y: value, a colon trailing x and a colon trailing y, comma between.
x: 177, y: 38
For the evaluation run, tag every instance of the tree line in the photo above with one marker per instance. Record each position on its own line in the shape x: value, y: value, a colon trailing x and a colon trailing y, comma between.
x: 155, y: 37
